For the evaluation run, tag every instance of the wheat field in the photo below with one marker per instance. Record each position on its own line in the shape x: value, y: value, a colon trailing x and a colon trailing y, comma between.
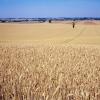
x: 50, y: 61
x: 59, y: 33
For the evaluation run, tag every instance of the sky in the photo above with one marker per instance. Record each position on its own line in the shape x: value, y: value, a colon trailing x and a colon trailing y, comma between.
x: 49, y: 8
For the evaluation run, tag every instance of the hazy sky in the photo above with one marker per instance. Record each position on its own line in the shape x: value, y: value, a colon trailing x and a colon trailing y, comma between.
x: 49, y: 8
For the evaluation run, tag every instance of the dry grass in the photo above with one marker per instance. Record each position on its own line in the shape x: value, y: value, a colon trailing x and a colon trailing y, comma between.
x: 49, y: 72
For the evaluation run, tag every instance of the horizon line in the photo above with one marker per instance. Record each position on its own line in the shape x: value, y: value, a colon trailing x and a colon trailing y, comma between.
x: 48, y: 17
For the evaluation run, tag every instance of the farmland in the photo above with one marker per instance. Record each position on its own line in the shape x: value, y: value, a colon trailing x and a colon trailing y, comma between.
x: 45, y: 61
x: 61, y: 33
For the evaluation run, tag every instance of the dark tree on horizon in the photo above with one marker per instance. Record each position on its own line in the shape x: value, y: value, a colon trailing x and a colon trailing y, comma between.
x: 50, y: 20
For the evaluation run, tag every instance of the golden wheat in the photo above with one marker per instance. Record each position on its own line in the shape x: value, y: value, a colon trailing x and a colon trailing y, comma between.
x: 51, y: 72
x: 55, y: 33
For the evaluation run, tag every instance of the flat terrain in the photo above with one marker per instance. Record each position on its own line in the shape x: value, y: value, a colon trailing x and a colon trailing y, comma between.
x: 50, y: 61
x: 84, y: 32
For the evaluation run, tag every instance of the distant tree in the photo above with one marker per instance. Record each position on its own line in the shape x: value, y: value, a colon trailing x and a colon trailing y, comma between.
x: 3, y: 21
x: 50, y: 20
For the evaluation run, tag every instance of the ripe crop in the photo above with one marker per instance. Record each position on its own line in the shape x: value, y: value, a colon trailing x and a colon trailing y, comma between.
x: 51, y: 72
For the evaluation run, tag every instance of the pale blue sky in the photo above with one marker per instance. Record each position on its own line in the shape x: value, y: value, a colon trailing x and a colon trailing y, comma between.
x: 49, y: 8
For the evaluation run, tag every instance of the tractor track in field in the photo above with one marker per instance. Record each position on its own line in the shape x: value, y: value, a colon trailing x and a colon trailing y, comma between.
x: 98, y: 32
x: 75, y: 37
